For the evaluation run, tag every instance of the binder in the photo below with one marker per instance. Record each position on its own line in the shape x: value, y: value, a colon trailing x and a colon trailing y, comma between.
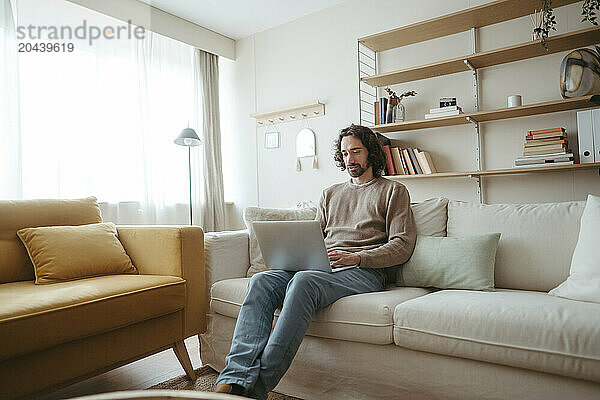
x: 585, y: 136
x: 596, y: 129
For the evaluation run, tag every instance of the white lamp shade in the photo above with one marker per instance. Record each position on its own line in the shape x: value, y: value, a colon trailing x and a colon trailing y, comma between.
x: 188, y: 138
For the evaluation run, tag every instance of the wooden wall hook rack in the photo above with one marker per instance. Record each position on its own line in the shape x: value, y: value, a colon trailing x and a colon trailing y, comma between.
x: 311, y: 110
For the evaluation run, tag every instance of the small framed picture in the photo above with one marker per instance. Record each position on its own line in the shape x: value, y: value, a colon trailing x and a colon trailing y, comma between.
x: 271, y: 140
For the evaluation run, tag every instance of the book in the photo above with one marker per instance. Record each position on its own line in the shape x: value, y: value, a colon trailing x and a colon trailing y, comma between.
x: 550, y: 155
x: 413, y: 158
x: 541, y: 131
x: 443, y: 114
x: 545, y: 157
x: 403, y: 161
x: 382, y: 109
x: 543, y: 142
x: 376, y: 113
x: 409, y: 165
x: 544, y: 150
x: 397, y: 160
x: 422, y: 162
x: 545, y: 164
x: 388, y: 160
x: 444, y: 109
x: 426, y: 162
x: 557, y: 146
x: 389, y: 112
x: 546, y: 136
x: 543, y: 161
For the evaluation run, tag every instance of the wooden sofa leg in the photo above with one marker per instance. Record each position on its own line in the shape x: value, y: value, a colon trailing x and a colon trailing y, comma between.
x: 184, y: 359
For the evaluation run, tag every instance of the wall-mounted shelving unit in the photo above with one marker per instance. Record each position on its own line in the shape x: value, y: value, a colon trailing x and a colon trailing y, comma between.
x: 370, y: 79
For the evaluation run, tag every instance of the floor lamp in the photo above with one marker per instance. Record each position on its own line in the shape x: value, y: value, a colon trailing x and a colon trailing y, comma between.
x: 189, y: 139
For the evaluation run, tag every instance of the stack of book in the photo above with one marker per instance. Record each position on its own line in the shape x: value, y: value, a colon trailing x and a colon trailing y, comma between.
x: 443, y: 112
x: 545, y: 147
x: 410, y: 161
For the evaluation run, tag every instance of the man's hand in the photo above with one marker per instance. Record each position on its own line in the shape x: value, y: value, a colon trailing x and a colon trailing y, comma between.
x: 341, y: 259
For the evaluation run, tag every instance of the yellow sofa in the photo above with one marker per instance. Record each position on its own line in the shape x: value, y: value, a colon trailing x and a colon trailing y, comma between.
x: 56, y: 334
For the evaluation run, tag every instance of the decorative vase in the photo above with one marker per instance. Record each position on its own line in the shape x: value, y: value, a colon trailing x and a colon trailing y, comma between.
x: 399, y: 112
x: 580, y: 73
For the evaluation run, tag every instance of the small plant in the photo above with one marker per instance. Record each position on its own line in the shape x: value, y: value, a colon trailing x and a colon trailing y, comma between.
x: 548, y: 21
x: 397, y: 99
x: 588, y: 12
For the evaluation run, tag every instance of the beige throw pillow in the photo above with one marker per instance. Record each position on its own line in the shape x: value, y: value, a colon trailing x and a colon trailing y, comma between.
x: 251, y: 214
x: 64, y: 253
x: 431, y: 216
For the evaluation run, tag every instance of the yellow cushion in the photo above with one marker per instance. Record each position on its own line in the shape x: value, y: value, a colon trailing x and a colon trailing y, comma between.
x: 65, y: 253
x: 35, y: 317
x: 16, y: 214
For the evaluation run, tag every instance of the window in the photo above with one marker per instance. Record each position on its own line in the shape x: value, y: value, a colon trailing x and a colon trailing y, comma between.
x: 101, y: 120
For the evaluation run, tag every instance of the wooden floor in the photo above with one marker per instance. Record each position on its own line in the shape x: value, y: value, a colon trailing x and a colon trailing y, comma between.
x: 135, y: 376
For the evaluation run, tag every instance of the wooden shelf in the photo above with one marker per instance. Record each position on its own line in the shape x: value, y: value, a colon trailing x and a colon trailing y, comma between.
x: 507, y: 171
x: 493, y: 115
x: 476, y: 17
x: 523, y: 51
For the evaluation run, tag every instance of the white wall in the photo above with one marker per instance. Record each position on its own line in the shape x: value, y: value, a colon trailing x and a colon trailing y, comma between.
x: 159, y: 21
x: 314, y: 57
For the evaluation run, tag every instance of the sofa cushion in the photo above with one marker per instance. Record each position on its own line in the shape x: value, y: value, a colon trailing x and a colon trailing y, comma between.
x: 65, y: 253
x: 451, y: 263
x: 529, y: 330
x: 584, y: 277
x: 537, y: 240
x: 363, y: 317
x: 16, y: 214
x: 42, y: 316
x: 431, y: 216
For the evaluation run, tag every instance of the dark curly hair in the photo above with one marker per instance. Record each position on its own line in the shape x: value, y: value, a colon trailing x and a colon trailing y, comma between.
x: 376, y: 156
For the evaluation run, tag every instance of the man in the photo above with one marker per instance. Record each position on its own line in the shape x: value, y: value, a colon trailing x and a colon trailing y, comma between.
x: 367, y: 222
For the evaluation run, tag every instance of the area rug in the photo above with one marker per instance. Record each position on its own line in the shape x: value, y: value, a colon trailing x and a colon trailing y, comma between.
x: 206, y: 378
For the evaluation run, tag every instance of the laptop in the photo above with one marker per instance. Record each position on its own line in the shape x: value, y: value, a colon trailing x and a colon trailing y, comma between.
x: 294, y: 246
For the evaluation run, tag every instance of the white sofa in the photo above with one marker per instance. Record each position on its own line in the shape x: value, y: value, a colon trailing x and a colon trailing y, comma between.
x: 418, y: 343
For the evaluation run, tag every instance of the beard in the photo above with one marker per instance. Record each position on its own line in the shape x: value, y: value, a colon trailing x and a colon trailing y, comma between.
x: 358, y: 171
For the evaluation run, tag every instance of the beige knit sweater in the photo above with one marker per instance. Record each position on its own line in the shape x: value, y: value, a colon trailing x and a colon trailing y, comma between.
x: 373, y: 219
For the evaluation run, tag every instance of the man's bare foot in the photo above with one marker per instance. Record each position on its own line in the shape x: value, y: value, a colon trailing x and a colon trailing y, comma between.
x: 223, y: 388
x: 231, y: 389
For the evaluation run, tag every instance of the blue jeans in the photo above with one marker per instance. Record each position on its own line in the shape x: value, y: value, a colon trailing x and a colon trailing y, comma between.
x: 257, y: 361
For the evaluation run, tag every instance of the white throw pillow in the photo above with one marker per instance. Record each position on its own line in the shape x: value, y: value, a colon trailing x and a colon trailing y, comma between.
x: 583, y: 282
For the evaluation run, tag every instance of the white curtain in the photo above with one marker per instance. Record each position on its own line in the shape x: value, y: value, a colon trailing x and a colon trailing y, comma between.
x: 10, y: 138
x: 207, y: 84
x: 101, y: 120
